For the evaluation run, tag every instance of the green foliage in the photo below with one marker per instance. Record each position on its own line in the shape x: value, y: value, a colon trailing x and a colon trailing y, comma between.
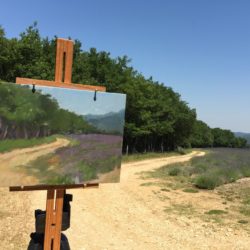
x: 174, y: 171
x: 25, y: 115
x: 207, y: 181
x: 243, y: 221
x: 57, y: 180
x: 181, y: 150
x: 47, y: 170
x: 245, y: 136
x: 157, y: 120
x: 190, y: 190
x: 216, y: 212
x: 221, y: 166
x: 108, y: 164
x: 202, y: 135
x: 200, y: 168
x: 88, y: 172
x: 245, y: 210
x: 145, y: 156
x: 217, y: 167
x: 8, y: 145
x: 225, y: 138
x: 245, y: 171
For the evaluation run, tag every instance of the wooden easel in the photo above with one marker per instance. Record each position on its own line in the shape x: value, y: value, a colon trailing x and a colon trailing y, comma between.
x: 55, y: 193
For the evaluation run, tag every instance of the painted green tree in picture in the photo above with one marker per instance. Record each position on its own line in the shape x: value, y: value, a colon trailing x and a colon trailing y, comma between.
x: 59, y: 136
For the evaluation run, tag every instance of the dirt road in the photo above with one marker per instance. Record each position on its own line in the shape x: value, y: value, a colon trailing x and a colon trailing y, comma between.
x: 126, y: 215
x: 9, y: 161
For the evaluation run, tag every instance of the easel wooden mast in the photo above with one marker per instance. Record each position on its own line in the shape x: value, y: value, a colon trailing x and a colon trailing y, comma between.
x: 55, y: 194
x: 53, y: 225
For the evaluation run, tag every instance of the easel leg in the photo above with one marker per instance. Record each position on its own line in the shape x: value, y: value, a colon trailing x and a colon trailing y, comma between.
x: 53, y: 226
x: 59, y: 213
x: 49, y: 220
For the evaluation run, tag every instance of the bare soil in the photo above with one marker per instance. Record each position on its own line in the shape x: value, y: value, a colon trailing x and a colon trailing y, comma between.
x: 128, y: 215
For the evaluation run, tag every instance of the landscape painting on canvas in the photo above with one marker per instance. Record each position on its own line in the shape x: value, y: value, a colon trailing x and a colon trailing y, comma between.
x: 59, y: 136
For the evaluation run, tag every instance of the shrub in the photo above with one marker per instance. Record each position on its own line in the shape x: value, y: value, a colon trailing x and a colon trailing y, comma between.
x: 242, y: 221
x: 231, y: 175
x: 174, y: 171
x: 200, y: 168
x: 245, y: 210
x: 245, y: 171
x: 216, y: 211
x: 246, y: 202
x: 207, y: 181
x: 190, y: 190
x: 181, y: 150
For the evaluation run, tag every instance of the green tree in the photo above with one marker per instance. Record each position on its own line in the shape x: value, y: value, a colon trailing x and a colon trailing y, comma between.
x: 202, y: 135
x: 157, y: 119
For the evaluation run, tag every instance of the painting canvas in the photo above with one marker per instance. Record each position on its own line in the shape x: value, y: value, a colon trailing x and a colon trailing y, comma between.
x: 59, y: 136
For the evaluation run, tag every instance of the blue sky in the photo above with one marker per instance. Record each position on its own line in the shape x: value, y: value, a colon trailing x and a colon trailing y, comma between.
x: 82, y: 102
x: 200, y: 48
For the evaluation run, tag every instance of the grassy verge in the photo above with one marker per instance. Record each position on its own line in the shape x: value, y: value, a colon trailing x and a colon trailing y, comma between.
x: 231, y: 205
x: 236, y: 200
x: 47, y: 170
x: 151, y: 155
x: 50, y: 169
x: 218, y: 167
x: 9, y: 145
x: 186, y: 209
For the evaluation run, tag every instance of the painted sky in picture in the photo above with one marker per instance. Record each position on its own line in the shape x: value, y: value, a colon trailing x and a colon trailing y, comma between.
x: 82, y: 101
x: 59, y: 136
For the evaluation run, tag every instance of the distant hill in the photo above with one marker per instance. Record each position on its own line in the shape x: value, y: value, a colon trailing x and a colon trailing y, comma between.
x: 244, y: 135
x: 111, y: 122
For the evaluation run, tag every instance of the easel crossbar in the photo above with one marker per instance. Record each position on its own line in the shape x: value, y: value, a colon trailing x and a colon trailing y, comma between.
x: 52, y: 187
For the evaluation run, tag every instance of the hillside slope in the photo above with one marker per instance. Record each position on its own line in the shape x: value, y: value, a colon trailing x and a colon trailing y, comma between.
x: 110, y: 122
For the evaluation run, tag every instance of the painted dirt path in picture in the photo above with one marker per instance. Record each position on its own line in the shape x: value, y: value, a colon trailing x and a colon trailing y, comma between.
x: 10, y: 160
x: 124, y: 215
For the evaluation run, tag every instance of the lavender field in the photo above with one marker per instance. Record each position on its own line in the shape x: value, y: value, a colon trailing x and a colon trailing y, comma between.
x: 90, y: 157
x: 219, y: 166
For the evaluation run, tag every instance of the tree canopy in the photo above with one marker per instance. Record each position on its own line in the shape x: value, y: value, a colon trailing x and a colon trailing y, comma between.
x: 157, y: 119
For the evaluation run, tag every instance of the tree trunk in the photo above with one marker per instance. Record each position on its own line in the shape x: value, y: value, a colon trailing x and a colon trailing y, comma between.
x: 37, y: 133
x: 162, y: 149
x: 5, y: 133
x: 25, y: 132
